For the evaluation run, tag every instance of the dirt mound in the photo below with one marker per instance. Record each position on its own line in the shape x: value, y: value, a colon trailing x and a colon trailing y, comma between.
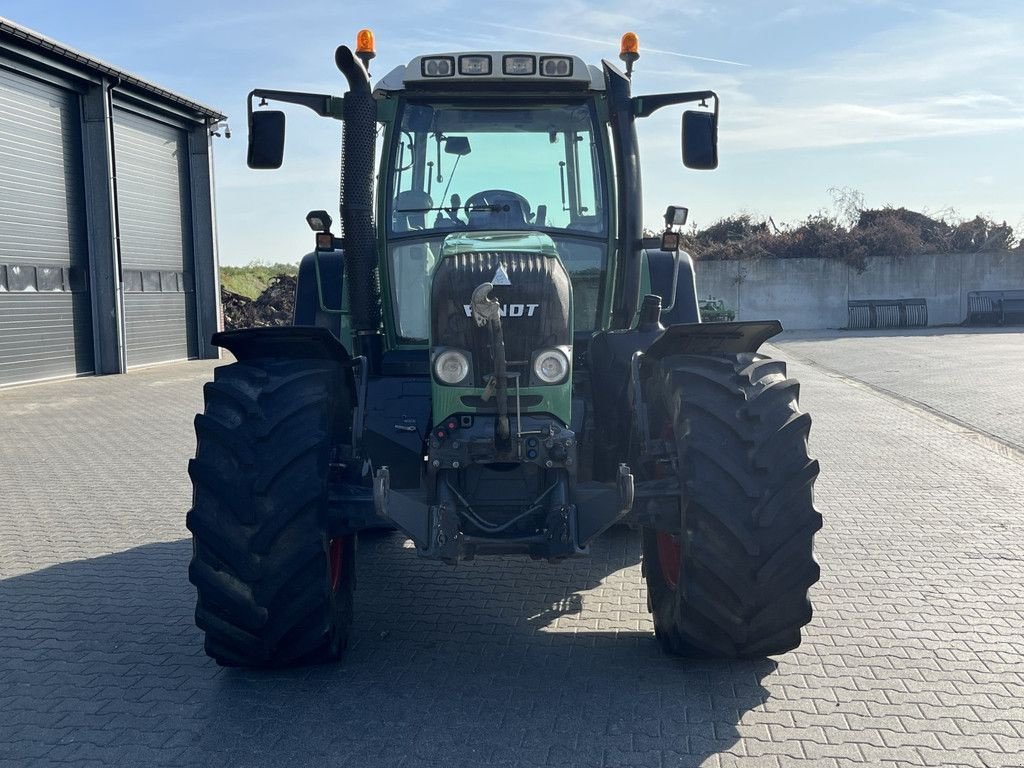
x: 275, y: 306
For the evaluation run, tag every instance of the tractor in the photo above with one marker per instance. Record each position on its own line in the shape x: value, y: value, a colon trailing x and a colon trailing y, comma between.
x: 489, y: 357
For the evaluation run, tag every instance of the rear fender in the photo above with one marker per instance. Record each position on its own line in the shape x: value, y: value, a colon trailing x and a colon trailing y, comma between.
x: 672, y: 278
x: 319, y: 291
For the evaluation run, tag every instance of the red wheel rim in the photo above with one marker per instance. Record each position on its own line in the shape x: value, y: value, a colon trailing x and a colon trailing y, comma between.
x: 669, y: 558
x: 336, y: 559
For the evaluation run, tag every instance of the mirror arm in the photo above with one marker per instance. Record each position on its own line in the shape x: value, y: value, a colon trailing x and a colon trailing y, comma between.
x: 322, y: 104
x: 644, y: 106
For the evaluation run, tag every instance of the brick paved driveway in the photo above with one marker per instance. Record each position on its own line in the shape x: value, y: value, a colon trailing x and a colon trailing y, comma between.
x: 969, y: 374
x: 913, y: 658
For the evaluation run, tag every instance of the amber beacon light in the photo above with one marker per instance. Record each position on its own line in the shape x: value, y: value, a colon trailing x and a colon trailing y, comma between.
x: 629, y: 50
x: 365, y: 47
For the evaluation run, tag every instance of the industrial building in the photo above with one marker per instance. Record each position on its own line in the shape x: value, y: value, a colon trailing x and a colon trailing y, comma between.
x: 108, y: 251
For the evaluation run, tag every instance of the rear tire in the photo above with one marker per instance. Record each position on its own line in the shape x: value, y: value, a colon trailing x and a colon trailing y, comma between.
x: 272, y: 589
x: 741, y: 548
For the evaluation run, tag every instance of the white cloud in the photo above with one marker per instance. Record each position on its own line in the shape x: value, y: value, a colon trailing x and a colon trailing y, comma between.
x: 947, y: 75
x: 610, y: 44
x: 808, y: 10
x: 840, y: 124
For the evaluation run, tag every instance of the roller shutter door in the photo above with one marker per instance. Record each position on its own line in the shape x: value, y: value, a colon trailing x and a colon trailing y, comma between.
x: 154, y: 219
x: 45, y: 315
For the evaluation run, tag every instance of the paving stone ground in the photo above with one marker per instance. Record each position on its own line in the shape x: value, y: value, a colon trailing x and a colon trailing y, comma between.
x: 913, y: 657
x: 969, y: 374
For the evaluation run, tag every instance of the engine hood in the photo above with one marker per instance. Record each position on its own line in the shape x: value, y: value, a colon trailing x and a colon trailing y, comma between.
x: 534, y: 293
x: 482, y: 242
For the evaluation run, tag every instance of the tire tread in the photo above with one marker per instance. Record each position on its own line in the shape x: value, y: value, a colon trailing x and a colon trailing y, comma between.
x: 749, y: 520
x: 258, y: 518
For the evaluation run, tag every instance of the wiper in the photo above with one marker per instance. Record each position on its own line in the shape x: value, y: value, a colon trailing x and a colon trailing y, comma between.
x: 480, y: 207
x: 419, y: 210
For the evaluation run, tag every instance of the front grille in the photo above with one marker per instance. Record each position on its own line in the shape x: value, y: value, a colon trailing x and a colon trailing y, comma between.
x: 537, y: 307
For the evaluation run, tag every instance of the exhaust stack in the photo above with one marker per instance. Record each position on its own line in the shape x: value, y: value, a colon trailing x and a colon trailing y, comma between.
x: 357, y: 228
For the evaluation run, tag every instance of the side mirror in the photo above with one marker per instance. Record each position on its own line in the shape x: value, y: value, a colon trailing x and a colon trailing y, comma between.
x: 266, y: 139
x: 700, y: 140
x: 457, y: 145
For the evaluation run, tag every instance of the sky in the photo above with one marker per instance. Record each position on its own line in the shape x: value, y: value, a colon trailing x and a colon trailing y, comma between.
x: 916, y: 104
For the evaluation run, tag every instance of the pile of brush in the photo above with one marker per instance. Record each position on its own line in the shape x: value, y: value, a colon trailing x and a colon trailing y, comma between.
x: 275, y: 306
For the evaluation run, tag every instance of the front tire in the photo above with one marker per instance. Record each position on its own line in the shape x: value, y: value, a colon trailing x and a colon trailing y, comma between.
x: 272, y: 589
x: 728, y: 577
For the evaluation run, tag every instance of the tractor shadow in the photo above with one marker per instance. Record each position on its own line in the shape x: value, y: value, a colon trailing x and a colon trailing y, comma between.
x: 498, y: 662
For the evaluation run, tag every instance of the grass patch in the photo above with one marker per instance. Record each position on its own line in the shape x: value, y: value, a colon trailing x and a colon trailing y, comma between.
x: 252, y: 279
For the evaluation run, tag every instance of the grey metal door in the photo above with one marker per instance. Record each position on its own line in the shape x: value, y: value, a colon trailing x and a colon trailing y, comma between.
x: 45, y: 315
x: 154, y: 220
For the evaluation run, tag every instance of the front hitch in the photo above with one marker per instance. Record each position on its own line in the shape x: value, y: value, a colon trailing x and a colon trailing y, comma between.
x: 487, y: 311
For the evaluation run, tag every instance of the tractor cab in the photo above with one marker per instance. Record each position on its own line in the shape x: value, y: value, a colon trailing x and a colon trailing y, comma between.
x: 513, y: 141
x: 455, y: 166
x: 499, y: 142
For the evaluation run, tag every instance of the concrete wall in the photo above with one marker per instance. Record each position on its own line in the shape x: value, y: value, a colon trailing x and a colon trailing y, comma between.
x: 812, y: 293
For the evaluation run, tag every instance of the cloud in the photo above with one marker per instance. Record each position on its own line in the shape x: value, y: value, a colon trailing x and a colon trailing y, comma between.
x: 611, y: 43
x: 809, y: 10
x: 946, y: 47
x: 944, y: 75
x: 843, y: 124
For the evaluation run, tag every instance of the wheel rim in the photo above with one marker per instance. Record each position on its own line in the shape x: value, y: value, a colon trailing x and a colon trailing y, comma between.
x: 669, y: 558
x: 336, y: 560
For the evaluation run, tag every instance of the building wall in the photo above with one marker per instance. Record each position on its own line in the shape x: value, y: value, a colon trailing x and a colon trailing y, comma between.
x: 92, y: 114
x: 813, y: 293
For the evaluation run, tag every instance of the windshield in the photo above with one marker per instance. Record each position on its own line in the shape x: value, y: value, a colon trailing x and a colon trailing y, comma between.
x: 519, y: 168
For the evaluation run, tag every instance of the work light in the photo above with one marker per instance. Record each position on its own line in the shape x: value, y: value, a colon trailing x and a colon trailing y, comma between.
x: 519, y: 65
x: 474, y: 65
x: 438, y: 66
x: 319, y: 221
x: 556, y: 66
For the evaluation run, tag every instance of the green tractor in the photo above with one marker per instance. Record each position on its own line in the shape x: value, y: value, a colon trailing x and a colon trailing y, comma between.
x: 487, y: 358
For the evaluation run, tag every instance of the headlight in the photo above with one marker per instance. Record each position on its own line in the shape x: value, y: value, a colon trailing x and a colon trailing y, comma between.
x: 451, y: 367
x: 551, y: 366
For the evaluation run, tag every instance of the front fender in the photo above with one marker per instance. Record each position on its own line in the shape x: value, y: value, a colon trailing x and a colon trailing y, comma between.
x: 287, y: 342
x: 610, y: 360
x: 712, y: 338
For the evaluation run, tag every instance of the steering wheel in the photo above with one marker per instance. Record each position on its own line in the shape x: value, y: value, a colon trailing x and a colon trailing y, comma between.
x: 493, y: 197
